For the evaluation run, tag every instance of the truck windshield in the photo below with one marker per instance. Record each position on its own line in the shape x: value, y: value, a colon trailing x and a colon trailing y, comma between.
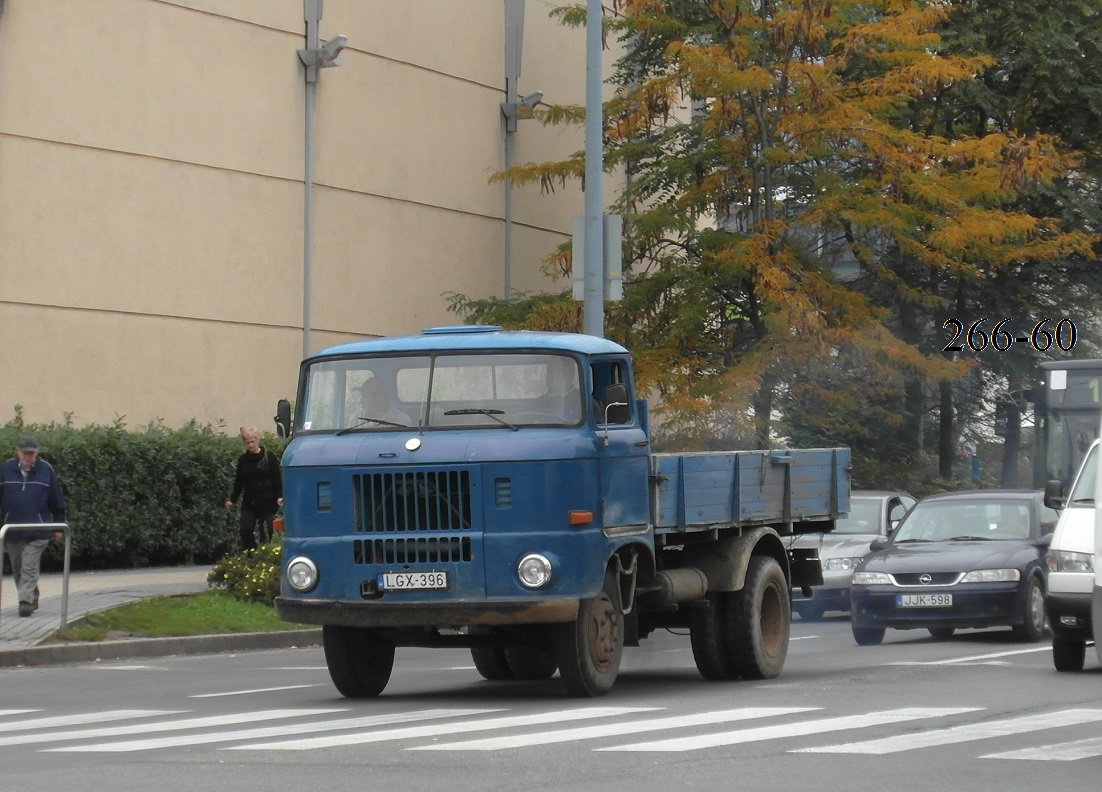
x: 441, y: 391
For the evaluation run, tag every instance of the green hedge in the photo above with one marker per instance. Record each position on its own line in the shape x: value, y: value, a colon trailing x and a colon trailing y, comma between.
x: 141, y: 498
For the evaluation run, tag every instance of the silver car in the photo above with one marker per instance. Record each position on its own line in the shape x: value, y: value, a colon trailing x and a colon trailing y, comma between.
x: 872, y: 513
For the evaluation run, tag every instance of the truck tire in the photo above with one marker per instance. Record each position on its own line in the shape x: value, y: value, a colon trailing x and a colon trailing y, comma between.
x: 491, y: 663
x: 359, y: 660
x: 1068, y: 654
x: 759, y: 621
x: 707, y: 634
x: 532, y: 662
x: 590, y: 648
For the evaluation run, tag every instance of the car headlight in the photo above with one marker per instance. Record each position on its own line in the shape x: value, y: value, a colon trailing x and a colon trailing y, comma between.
x: 992, y: 576
x: 1064, y: 561
x: 534, y: 571
x: 840, y: 564
x: 302, y: 574
x: 871, y: 579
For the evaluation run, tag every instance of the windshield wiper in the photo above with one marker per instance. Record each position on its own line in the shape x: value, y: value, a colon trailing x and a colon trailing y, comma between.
x: 482, y: 411
x: 911, y: 541
x: 1084, y: 501
x: 970, y: 539
x: 361, y: 421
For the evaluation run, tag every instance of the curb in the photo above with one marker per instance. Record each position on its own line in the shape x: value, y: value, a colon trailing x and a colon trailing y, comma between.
x: 91, y: 652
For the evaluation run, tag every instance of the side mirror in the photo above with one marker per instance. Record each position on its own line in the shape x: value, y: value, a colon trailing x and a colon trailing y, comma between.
x: 879, y: 543
x: 1054, y: 494
x: 617, y: 409
x: 283, y: 418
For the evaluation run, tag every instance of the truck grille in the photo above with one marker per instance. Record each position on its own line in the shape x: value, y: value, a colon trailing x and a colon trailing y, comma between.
x: 430, y: 500
x: 412, y: 551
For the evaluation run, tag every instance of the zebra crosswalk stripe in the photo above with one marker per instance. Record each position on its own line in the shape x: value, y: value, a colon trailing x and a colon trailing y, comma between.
x: 146, y: 728
x: 434, y: 730
x: 964, y: 733
x: 612, y: 730
x: 791, y: 729
x: 1059, y: 752
x: 80, y: 719
x: 265, y: 732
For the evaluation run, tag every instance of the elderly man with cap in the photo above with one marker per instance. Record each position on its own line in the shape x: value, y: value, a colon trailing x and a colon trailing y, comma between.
x: 30, y: 492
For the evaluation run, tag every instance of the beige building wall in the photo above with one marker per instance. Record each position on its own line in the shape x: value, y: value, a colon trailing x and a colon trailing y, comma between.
x: 152, y: 192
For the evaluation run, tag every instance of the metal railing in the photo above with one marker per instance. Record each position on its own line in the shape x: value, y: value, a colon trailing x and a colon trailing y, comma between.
x: 64, y: 529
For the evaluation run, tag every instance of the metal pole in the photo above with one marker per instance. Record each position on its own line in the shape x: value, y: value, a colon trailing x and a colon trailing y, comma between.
x: 312, y: 10
x: 593, y: 307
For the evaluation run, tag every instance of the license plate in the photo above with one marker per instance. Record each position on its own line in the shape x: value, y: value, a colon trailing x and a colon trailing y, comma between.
x: 925, y: 600
x: 413, y: 580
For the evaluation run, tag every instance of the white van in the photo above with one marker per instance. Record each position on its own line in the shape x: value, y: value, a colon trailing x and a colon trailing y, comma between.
x: 1071, y: 565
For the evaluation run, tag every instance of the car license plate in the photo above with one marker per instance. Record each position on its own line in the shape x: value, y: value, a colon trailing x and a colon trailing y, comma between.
x: 413, y: 580
x: 925, y: 600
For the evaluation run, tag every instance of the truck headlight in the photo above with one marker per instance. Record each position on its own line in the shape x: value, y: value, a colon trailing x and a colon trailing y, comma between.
x: 534, y: 571
x: 302, y: 574
x: 1067, y: 561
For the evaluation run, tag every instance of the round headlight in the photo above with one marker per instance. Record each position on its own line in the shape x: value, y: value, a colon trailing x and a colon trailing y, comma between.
x: 302, y: 575
x: 534, y: 571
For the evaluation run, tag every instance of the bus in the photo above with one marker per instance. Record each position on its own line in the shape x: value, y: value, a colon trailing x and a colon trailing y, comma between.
x: 1067, y: 411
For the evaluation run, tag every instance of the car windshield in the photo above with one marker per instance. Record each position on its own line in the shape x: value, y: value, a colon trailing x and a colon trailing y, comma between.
x: 492, y: 391
x: 943, y: 521
x: 863, y: 517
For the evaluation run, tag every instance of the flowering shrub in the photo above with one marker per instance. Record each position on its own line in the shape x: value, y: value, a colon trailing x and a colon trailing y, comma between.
x: 251, y: 575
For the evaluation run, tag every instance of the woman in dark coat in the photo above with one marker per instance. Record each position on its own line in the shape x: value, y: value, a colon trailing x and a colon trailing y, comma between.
x: 259, y: 483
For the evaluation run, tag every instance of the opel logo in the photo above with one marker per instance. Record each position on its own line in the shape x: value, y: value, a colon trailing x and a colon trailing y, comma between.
x: 925, y: 579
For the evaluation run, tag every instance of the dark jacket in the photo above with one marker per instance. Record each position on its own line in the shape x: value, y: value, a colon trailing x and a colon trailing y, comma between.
x: 35, y: 497
x: 259, y: 479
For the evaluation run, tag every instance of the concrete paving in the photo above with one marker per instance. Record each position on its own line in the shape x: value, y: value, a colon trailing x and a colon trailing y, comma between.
x: 23, y: 639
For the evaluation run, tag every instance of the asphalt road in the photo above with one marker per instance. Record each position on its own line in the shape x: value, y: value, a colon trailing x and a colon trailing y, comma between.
x: 977, y: 712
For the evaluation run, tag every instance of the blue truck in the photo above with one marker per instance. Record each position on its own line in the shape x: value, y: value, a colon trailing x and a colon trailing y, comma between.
x: 496, y: 490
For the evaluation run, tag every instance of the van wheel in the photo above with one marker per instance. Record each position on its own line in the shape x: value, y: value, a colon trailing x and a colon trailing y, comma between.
x: 1068, y: 654
x: 591, y: 647
x: 759, y: 620
x: 359, y: 660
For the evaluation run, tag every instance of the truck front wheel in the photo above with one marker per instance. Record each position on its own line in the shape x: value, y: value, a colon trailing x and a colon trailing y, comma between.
x: 590, y: 648
x: 760, y: 619
x: 359, y: 660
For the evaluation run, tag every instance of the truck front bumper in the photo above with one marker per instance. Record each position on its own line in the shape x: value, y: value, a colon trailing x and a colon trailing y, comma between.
x: 443, y: 614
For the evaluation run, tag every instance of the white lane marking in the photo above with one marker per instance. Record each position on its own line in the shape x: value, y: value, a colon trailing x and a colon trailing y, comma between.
x: 612, y: 730
x: 250, y: 692
x: 791, y: 729
x: 309, y: 743
x: 964, y: 733
x: 146, y: 728
x: 973, y: 658
x: 6, y: 713
x: 1057, y: 752
x: 81, y: 719
x: 268, y: 731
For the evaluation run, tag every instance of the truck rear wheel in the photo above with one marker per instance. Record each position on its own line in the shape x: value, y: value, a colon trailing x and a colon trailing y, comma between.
x: 359, y: 660
x: 759, y: 621
x: 590, y: 648
x: 532, y: 662
x: 708, y: 636
x: 491, y: 663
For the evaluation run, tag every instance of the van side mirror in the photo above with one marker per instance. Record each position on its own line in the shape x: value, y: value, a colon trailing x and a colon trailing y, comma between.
x: 1054, y: 494
x: 617, y: 408
x: 283, y: 418
x: 878, y: 544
